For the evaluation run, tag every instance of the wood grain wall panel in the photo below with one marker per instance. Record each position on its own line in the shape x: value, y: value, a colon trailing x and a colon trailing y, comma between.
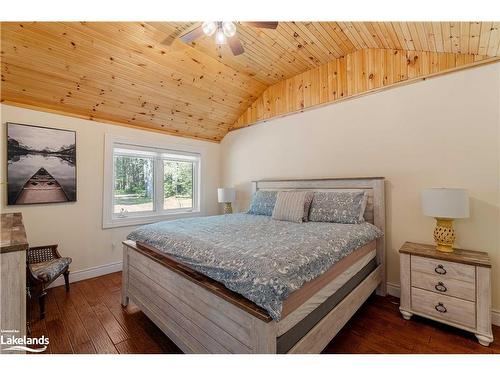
x: 359, y: 72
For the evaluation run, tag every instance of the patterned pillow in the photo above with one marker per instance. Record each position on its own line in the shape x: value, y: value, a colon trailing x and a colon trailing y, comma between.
x: 263, y: 203
x: 292, y: 205
x: 307, y: 205
x: 346, y: 207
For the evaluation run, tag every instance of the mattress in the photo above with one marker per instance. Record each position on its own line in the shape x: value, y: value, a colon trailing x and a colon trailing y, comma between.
x: 262, y: 259
x: 287, y: 340
x: 309, y: 289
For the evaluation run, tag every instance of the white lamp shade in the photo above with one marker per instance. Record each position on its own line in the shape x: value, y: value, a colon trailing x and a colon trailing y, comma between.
x: 445, y: 203
x: 226, y: 195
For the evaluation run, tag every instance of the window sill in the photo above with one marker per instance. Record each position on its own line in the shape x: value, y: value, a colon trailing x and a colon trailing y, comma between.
x: 148, y: 219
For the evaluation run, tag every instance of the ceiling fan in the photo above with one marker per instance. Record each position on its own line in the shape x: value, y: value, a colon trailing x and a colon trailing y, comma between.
x: 224, y: 32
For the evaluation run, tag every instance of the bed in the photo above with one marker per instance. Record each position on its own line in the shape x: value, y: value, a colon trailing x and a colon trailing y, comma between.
x: 217, y: 302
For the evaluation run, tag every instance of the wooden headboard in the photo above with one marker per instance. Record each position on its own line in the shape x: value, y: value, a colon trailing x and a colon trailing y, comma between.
x: 375, y: 208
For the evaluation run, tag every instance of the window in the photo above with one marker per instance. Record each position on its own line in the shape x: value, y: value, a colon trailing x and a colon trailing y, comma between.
x: 177, y: 184
x: 133, y: 183
x: 149, y: 183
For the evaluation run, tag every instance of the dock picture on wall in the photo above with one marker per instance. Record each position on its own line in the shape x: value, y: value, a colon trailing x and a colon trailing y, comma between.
x: 41, y: 164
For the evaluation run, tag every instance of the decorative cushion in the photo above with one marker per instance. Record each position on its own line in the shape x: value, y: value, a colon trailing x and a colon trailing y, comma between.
x: 346, y: 207
x: 48, y: 271
x: 292, y: 205
x: 307, y: 206
x: 263, y: 203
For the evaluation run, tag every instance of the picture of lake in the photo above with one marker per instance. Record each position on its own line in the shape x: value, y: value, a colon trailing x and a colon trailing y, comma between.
x: 41, y: 164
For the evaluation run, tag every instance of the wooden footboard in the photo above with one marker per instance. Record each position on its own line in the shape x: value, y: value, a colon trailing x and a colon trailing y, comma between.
x: 199, y: 321
x: 194, y: 318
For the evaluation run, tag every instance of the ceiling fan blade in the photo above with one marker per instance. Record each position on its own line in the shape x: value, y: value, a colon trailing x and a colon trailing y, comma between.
x: 263, y: 25
x: 235, y: 45
x: 192, y: 35
x: 172, y: 35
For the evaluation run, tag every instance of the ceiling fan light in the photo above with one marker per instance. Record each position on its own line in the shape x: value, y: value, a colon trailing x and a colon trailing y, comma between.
x: 220, y: 37
x: 229, y: 29
x: 209, y: 28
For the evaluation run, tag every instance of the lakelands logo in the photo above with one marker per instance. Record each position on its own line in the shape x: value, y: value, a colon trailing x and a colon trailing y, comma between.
x: 9, y: 341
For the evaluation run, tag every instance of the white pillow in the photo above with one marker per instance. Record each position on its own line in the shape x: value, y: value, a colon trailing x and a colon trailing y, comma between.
x: 292, y: 205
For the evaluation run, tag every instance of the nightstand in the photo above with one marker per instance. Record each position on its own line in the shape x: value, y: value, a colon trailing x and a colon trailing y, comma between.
x: 452, y: 288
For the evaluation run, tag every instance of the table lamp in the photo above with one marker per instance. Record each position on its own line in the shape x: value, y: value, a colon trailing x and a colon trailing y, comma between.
x: 226, y: 196
x: 445, y: 205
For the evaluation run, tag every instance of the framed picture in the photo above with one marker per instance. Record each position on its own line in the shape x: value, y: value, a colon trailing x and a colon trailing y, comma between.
x: 41, y: 164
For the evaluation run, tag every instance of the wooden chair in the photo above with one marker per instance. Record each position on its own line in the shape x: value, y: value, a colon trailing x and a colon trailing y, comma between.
x: 45, y: 264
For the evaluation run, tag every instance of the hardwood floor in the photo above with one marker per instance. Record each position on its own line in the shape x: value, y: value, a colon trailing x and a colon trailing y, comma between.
x: 90, y: 319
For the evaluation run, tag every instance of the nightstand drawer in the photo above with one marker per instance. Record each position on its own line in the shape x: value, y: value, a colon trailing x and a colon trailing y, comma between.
x: 446, y: 286
x: 444, y: 269
x: 442, y: 307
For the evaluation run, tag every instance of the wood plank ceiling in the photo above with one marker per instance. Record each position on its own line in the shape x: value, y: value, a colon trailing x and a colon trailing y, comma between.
x: 122, y: 72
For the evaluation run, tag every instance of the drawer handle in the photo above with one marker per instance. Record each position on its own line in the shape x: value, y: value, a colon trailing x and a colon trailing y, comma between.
x: 440, y: 269
x: 440, y: 287
x: 440, y: 308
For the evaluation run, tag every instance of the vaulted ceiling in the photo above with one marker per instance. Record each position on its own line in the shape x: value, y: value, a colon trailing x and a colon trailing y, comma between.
x: 123, y: 72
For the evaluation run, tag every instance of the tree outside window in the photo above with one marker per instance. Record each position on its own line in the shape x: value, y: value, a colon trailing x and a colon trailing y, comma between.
x: 177, y: 184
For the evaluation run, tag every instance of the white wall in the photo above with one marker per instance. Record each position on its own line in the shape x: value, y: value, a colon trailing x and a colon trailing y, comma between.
x: 77, y: 227
x: 439, y: 132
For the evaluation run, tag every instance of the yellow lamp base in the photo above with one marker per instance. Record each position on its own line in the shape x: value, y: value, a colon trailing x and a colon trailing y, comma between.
x: 444, y: 249
x: 228, y: 208
x: 444, y: 235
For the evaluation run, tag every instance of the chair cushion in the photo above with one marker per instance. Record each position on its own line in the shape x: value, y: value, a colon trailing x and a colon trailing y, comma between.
x: 50, y: 270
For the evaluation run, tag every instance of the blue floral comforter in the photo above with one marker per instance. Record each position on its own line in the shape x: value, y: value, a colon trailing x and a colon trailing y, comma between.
x: 260, y: 258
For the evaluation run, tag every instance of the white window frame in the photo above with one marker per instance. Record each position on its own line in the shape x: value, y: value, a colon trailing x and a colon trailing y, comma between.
x: 160, y: 153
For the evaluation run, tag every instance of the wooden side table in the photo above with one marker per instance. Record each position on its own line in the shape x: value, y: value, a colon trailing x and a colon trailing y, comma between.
x: 13, y: 246
x: 452, y: 288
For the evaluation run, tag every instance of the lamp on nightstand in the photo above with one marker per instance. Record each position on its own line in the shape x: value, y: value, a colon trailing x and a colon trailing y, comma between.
x: 445, y: 205
x: 226, y: 196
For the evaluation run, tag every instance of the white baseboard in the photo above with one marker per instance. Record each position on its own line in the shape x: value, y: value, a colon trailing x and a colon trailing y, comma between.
x: 394, y: 290
x: 89, y: 273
